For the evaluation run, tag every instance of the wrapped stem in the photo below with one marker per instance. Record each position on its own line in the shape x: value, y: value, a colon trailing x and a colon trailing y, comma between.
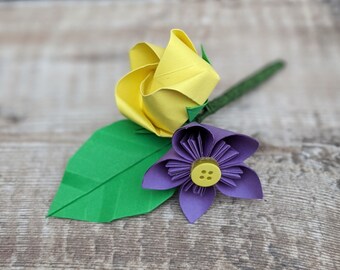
x: 241, y: 88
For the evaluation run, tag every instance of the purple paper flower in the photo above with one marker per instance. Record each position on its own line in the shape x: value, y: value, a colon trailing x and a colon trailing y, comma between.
x: 204, y: 158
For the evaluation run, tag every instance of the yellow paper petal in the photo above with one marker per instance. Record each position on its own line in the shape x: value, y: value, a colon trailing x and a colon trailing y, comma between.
x: 198, y: 87
x: 180, y: 65
x: 167, y: 109
x: 129, y: 99
x: 144, y: 54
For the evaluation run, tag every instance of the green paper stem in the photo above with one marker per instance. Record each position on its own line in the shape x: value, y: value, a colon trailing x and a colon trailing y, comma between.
x: 241, y: 88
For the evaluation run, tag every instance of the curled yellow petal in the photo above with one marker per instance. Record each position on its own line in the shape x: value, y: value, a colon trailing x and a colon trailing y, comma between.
x: 144, y: 54
x: 129, y: 99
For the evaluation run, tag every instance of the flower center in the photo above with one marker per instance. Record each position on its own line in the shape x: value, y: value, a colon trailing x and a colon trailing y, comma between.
x: 205, y: 172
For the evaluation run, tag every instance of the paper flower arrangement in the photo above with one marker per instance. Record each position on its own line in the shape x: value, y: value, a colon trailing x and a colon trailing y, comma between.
x: 132, y: 166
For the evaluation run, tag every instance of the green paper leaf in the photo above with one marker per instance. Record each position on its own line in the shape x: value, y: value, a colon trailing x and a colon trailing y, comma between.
x: 103, y: 180
x: 194, y: 111
x: 204, y: 55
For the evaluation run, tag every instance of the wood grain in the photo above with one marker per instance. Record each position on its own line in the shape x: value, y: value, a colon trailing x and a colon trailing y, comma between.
x: 59, y: 62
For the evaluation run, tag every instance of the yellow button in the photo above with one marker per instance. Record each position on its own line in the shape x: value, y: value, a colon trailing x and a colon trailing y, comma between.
x: 205, y: 172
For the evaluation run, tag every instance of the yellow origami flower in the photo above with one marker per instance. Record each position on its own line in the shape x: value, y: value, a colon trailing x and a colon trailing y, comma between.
x: 163, y: 83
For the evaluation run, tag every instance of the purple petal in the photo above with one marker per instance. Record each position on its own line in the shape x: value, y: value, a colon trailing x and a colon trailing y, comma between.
x: 231, y: 157
x: 220, y: 149
x: 189, y: 151
x: 157, y: 177
x: 195, y: 205
x: 228, y: 181
x: 248, y: 187
x: 184, y: 144
x: 219, y: 133
x: 245, y: 145
x: 232, y: 169
x: 172, y: 155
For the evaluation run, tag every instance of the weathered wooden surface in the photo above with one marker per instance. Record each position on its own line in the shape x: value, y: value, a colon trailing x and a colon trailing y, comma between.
x: 58, y: 66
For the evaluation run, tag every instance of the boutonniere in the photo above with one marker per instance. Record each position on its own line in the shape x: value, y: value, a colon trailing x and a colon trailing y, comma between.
x: 132, y: 166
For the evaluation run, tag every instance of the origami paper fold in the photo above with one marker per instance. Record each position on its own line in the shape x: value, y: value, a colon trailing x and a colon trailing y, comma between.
x: 194, y: 111
x: 102, y: 181
x: 219, y: 154
x: 163, y: 83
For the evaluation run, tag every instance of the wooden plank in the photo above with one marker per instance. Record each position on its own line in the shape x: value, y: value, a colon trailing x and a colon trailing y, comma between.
x: 59, y: 62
